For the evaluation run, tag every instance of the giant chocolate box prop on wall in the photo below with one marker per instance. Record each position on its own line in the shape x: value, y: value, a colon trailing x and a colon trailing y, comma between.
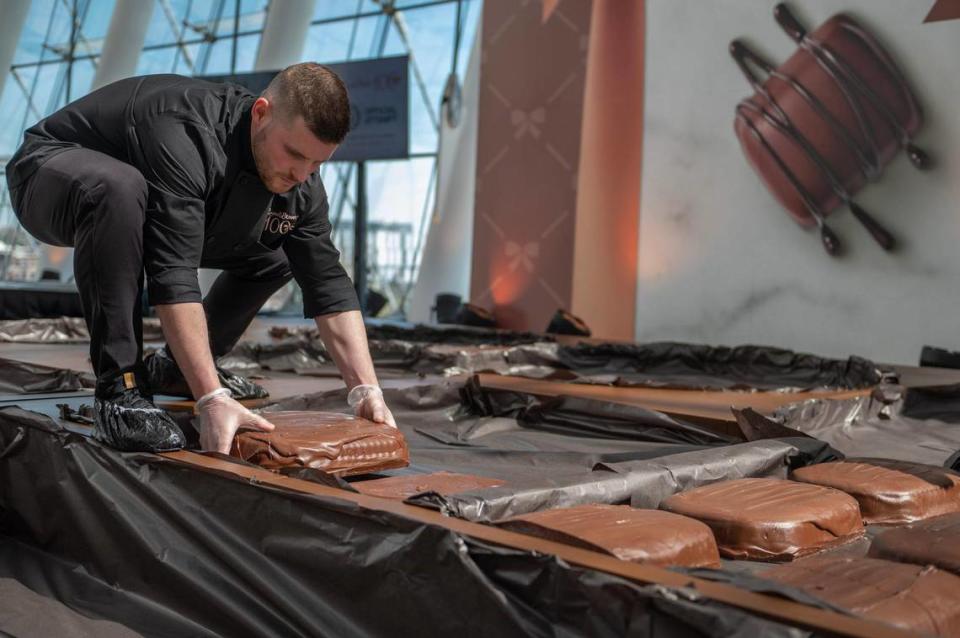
x: 825, y: 122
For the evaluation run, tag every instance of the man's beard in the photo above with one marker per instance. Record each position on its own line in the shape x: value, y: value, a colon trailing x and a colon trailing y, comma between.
x: 259, y: 157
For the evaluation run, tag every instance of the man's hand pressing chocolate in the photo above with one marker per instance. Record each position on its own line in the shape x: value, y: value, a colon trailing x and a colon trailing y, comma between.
x: 367, y: 402
x: 220, y: 418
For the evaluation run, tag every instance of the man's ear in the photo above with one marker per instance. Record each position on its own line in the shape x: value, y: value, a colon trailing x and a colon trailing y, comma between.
x: 262, y: 109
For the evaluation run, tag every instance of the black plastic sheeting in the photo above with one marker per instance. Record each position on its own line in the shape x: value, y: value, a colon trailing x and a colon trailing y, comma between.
x: 759, y: 585
x: 164, y: 377
x: 661, y: 365
x: 421, y: 349
x: 36, y: 612
x: 581, y: 416
x: 941, y: 402
x: 444, y: 434
x: 683, y: 365
x: 421, y: 333
x: 53, y: 330
x: 205, y: 554
x: 563, y: 451
x: 20, y: 300
x: 307, y: 355
x: 18, y: 377
x: 939, y: 358
x: 62, y: 330
x: 879, y: 425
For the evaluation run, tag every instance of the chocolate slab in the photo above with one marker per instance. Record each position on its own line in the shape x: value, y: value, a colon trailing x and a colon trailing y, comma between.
x: 444, y: 483
x: 922, y: 599
x: 636, y: 535
x: 889, y: 491
x: 771, y: 519
x: 335, y: 443
x: 935, y: 541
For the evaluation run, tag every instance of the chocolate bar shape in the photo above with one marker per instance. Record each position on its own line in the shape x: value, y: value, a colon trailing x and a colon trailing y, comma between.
x: 335, y: 443
x: 922, y: 599
x: 636, y: 535
x: 889, y: 491
x: 771, y: 519
x: 443, y: 483
x: 935, y: 541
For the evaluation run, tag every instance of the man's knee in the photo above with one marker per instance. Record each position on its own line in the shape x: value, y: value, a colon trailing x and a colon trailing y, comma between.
x: 119, y: 187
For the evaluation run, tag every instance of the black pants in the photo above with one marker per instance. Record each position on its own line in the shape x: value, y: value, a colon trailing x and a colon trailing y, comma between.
x: 97, y: 204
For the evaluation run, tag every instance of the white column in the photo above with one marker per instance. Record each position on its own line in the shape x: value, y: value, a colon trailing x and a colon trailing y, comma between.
x: 14, y: 17
x: 125, y: 38
x: 284, y: 34
x: 448, y: 250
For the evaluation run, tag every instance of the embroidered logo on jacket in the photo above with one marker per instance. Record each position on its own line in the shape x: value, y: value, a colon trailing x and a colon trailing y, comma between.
x: 279, y: 222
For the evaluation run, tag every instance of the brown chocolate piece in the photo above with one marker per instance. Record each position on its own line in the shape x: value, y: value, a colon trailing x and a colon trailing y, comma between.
x: 889, y: 491
x: 935, y: 541
x: 771, y: 519
x: 444, y: 483
x: 335, y: 443
x: 635, y: 535
x: 922, y: 599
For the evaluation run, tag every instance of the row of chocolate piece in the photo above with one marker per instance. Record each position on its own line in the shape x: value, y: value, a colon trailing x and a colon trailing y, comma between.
x: 756, y: 519
x: 761, y: 519
x: 906, y: 581
x: 885, y: 492
x: 824, y: 506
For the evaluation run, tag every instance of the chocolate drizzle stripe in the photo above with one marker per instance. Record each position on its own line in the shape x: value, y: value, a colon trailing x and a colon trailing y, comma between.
x: 805, y: 195
x: 850, y: 83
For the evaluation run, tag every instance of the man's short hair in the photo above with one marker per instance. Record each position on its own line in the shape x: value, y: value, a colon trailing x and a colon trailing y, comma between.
x: 316, y: 93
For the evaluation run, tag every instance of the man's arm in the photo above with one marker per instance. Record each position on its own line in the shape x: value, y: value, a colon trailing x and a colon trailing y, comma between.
x: 177, y: 171
x: 329, y: 297
x: 185, y: 329
x: 345, y: 338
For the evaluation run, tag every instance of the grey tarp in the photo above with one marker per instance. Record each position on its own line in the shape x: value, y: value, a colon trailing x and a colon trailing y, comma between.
x: 61, y: 330
x: 874, y: 426
x: 561, y: 451
x: 18, y: 377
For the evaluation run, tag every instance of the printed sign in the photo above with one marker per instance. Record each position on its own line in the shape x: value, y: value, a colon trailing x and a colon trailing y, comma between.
x: 379, y: 100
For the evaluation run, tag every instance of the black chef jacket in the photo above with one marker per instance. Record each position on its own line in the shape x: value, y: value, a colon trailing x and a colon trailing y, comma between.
x: 206, y: 204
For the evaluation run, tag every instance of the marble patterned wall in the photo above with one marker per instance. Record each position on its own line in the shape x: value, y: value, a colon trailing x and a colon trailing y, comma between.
x: 721, y: 263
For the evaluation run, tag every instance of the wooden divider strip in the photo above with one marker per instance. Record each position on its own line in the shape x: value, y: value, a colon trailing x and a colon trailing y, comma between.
x: 711, y: 404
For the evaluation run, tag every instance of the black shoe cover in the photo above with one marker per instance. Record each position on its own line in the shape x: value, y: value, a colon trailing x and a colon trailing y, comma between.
x: 128, y: 422
x: 164, y: 377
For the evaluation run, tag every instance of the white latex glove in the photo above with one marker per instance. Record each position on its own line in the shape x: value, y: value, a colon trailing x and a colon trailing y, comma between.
x: 367, y: 402
x: 220, y: 418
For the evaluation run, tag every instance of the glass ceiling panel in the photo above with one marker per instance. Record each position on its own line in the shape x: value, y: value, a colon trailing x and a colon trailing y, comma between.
x: 13, y: 104
x: 332, y: 9
x: 165, y: 22
x: 429, y: 32
x: 34, y: 32
x: 331, y: 42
